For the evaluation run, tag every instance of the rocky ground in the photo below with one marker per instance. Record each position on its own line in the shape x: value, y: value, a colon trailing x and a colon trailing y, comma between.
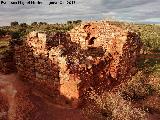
x: 18, y: 102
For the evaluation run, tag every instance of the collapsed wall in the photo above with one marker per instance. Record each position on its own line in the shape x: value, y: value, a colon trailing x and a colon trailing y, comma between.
x: 93, y: 56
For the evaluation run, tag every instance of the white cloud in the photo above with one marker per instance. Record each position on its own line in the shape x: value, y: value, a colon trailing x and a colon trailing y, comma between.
x: 132, y: 10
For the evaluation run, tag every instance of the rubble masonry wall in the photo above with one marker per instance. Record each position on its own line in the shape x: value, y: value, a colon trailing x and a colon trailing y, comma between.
x: 92, y: 56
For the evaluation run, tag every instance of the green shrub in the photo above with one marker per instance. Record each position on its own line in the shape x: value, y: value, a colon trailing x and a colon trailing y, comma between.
x: 16, y: 35
x: 15, y: 23
x: 3, y: 32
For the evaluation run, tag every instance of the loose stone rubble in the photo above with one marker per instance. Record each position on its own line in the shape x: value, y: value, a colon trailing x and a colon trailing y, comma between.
x: 93, y: 56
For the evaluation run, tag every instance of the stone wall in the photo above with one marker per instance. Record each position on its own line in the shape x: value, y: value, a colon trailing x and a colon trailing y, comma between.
x: 34, y: 65
x: 93, y: 56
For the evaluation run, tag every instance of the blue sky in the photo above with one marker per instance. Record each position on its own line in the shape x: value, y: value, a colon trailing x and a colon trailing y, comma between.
x: 143, y: 11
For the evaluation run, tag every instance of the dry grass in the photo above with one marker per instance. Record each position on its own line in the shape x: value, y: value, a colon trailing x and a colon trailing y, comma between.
x: 135, y: 99
x: 111, y: 106
x: 3, y: 46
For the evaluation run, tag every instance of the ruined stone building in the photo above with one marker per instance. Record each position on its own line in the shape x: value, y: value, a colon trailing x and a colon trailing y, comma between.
x: 92, y: 56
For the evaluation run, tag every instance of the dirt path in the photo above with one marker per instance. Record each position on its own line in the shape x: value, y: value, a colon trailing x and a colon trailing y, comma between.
x: 24, y: 105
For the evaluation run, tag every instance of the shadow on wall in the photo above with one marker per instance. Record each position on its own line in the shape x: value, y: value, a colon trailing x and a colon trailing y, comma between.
x: 69, y: 69
x: 59, y: 67
x: 39, y: 66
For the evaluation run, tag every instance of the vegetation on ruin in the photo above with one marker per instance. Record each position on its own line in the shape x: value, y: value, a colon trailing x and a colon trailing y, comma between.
x: 23, y: 28
x: 139, y: 97
x: 133, y: 99
x: 19, y: 30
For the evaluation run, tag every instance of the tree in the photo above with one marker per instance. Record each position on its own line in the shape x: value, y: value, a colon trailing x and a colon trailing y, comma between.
x: 15, y: 23
x: 16, y: 35
x: 34, y: 24
x: 69, y: 22
x: 79, y: 21
x: 42, y: 23
x: 23, y: 25
x: 74, y: 22
x: 2, y: 32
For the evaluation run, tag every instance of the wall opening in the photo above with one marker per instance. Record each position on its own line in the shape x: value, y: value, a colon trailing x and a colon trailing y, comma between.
x: 91, y: 41
x: 86, y: 26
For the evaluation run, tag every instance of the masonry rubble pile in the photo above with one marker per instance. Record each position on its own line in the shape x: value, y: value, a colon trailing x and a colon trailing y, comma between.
x: 92, y: 56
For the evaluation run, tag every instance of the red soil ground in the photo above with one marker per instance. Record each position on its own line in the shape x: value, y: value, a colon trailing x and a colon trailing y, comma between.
x: 19, y: 102
x: 25, y: 105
